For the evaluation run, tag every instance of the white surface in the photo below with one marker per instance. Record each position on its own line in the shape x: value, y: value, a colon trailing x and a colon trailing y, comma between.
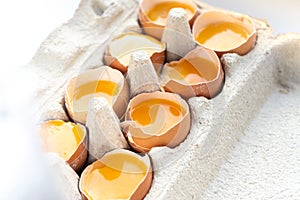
x: 265, y: 163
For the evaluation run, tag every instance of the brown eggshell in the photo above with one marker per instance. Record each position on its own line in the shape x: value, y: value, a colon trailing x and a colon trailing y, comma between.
x: 141, y: 189
x: 119, y: 102
x: 157, y: 57
x: 213, y: 17
x: 78, y: 158
x: 207, y: 89
x: 154, y: 29
x: 143, y: 142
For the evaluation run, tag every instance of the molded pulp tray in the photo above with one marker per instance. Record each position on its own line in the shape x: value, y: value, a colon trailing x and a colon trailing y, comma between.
x: 244, y: 143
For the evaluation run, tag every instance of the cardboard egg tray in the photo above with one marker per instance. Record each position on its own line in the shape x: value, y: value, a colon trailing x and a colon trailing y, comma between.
x: 244, y: 143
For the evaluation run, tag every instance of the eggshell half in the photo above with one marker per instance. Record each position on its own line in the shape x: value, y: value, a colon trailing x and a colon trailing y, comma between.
x: 78, y: 158
x: 214, y: 17
x: 118, y: 52
x: 142, y: 141
x: 119, y: 101
x: 140, y: 190
x: 207, y: 88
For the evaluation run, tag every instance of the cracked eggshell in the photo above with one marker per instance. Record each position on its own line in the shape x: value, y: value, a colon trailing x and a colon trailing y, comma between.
x: 155, y: 29
x: 118, y: 101
x: 117, y: 54
x: 207, y: 64
x: 78, y: 158
x: 207, y: 18
x: 140, y: 190
x: 139, y: 137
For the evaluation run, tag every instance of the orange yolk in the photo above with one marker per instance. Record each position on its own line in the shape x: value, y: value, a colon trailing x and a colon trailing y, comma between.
x: 185, y: 71
x: 222, y: 36
x: 157, y: 115
x: 159, y: 13
x: 114, y: 177
x: 61, y: 137
x: 84, y: 93
x: 103, y: 86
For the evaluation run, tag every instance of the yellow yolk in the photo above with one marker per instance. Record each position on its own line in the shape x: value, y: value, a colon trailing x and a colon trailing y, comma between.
x: 126, y: 44
x: 61, y: 137
x: 157, y: 115
x: 114, y: 177
x: 186, y: 72
x: 222, y: 36
x: 102, y: 88
x: 159, y: 13
x: 94, y: 87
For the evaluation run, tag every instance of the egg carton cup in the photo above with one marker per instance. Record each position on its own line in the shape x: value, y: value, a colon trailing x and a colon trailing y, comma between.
x: 225, y: 130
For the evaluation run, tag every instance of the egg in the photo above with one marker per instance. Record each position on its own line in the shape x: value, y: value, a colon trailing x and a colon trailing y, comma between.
x: 225, y: 32
x: 199, y: 73
x: 67, y: 139
x: 156, y: 119
x: 101, y: 82
x: 153, y: 14
x: 118, y: 51
x: 119, y: 174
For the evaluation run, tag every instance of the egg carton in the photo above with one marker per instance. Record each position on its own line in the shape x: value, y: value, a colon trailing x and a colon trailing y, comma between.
x: 244, y: 143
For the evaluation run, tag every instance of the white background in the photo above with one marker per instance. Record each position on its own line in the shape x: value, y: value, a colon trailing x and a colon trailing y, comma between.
x: 24, y: 25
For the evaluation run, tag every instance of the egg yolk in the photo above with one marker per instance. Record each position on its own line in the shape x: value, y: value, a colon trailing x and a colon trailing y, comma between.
x: 61, y: 137
x: 222, y: 36
x: 125, y: 45
x: 114, y: 177
x: 186, y: 71
x: 102, y: 88
x: 159, y: 12
x: 156, y: 116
